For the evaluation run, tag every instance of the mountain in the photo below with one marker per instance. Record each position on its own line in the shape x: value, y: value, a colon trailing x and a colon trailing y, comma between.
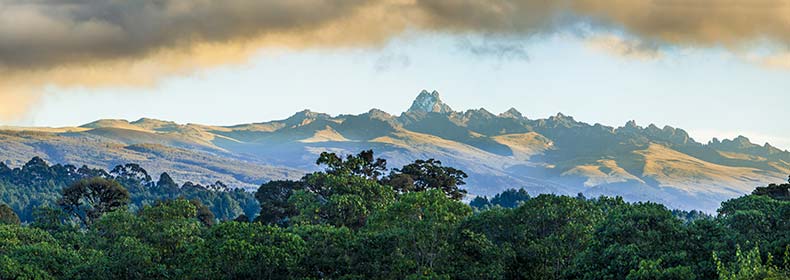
x: 499, y: 151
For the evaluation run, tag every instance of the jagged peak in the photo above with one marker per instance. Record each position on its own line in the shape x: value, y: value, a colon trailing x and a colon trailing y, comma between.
x: 429, y: 103
x: 652, y: 128
x: 739, y: 142
x: 742, y: 139
x: 562, y: 117
x: 511, y: 113
x: 307, y: 113
x: 379, y: 114
x: 305, y: 117
x: 479, y: 112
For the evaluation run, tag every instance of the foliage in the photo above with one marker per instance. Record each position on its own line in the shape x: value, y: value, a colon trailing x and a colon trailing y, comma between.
x: 362, y: 164
x: 37, y: 184
x: 749, y: 266
x: 428, y: 174
x: 7, y: 215
x: 348, y: 225
x: 510, y: 198
x: 89, y: 199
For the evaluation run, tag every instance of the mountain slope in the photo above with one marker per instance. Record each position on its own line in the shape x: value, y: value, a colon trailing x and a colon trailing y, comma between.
x: 558, y: 154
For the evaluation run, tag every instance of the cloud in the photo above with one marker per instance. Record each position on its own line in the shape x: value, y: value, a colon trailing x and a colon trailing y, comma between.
x: 94, y: 43
x: 499, y: 48
x: 623, y: 47
x: 780, y: 60
x: 36, y: 34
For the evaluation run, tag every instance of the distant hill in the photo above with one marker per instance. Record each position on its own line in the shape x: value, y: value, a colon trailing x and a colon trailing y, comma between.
x: 500, y: 151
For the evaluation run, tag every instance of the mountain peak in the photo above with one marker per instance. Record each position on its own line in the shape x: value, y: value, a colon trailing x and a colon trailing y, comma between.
x: 560, y: 117
x: 429, y: 102
x: 308, y: 114
x: 512, y: 113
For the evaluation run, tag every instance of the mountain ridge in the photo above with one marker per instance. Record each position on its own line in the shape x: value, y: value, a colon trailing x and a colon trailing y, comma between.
x: 557, y: 154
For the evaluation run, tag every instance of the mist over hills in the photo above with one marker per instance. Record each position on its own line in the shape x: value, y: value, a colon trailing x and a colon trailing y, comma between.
x: 499, y: 151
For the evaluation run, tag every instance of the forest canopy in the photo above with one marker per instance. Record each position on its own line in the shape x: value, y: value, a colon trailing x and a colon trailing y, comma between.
x: 355, y: 220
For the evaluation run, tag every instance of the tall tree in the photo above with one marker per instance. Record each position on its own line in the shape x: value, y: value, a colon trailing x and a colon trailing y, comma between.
x: 89, y: 199
x: 362, y: 164
x: 273, y: 197
x: 429, y: 174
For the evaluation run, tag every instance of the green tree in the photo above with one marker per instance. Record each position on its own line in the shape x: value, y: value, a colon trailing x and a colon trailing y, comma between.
x: 550, y: 232
x: 204, y: 215
x: 417, y: 228
x: 248, y: 251
x: 425, y: 175
x: 749, y: 266
x: 8, y: 216
x: 12, y: 269
x: 167, y: 185
x: 329, y: 251
x: 363, y: 164
x: 273, y: 197
x: 758, y: 219
x: 173, y: 230
x: 344, y: 200
x: 629, y: 235
x: 90, y: 198
x: 474, y: 256
x: 653, y: 270
x: 510, y: 198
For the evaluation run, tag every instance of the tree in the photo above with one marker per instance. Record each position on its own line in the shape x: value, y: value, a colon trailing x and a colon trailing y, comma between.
x: 780, y: 192
x: 480, y: 203
x: 248, y: 251
x: 653, y: 270
x: 417, y: 227
x: 273, y: 197
x: 50, y: 219
x: 758, y: 219
x: 474, y: 256
x: 330, y: 251
x: 629, y: 235
x: 429, y: 174
x: 749, y: 266
x: 363, y: 164
x: 89, y: 199
x: 8, y: 216
x: 204, y: 215
x: 548, y: 232
x: 172, y: 229
x: 167, y: 184
x: 510, y: 198
x: 344, y: 200
x: 132, y: 175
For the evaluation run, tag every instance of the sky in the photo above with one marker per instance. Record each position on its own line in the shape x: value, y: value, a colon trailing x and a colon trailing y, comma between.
x: 717, y: 68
